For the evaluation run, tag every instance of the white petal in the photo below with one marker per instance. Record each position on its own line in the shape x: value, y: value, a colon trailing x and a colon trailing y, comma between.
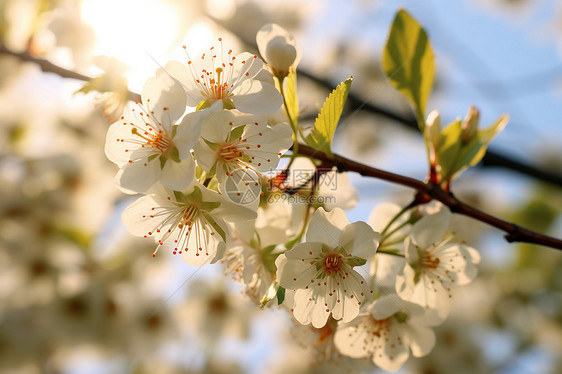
x: 164, y: 98
x: 309, y: 307
x: 229, y: 211
x: 117, y: 147
x: 247, y: 63
x: 420, y: 339
x: 472, y: 254
x: 180, y: 72
x: 431, y: 229
x: 217, y: 125
x: 205, y: 156
x: 273, y: 31
x: 381, y: 216
x: 338, y: 191
x: 452, y: 262
x: 139, y: 176
x: 393, y: 354
x: 187, y: 133
x: 146, y: 214
x: 257, y: 97
x: 241, y: 187
x: 359, y: 240
x: 411, y: 252
x: 178, y: 175
x: 386, y: 306
x: 353, y: 339
x: 325, y: 227
x: 294, y: 274
x: 384, y: 269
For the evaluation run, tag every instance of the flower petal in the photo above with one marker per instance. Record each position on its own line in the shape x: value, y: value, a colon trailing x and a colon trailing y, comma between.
x: 164, y: 98
x: 392, y: 355
x: 139, y: 176
x: 257, y: 97
x: 325, y: 227
x: 420, y: 339
x: 178, y: 175
x: 431, y: 229
x: 354, y: 339
x: 359, y: 240
x: 181, y: 74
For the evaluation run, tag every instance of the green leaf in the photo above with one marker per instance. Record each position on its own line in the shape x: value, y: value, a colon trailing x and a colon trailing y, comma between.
x: 454, y: 156
x: 209, y: 206
x: 407, y: 61
x: 291, y: 96
x: 280, y: 295
x: 175, y: 154
x: 213, y: 146
x: 325, y: 125
x: 228, y: 104
x: 449, y: 148
x: 487, y: 135
x: 355, y: 261
x: 236, y: 133
x: 163, y: 161
x: 215, y: 225
x: 204, y: 104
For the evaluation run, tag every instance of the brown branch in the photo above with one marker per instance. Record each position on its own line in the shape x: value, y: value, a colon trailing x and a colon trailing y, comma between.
x: 355, y: 102
x: 49, y: 67
x: 514, y: 233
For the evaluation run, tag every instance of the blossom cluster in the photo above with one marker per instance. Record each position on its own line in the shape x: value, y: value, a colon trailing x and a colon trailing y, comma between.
x: 202, y: 148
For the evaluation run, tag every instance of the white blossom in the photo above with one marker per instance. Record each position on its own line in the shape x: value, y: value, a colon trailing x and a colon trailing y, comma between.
x: 233, y: 141
x: 147, y: 144
x: 387, y: 332
x: 321, y: 269
x: 434, y: 263
x: 220, y: 80
x: 192, y: 220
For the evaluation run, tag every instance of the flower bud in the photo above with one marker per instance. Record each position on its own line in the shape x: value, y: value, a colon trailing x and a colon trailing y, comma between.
x: 280, y: 55
x: 278, y: 48
x: 432, y: 129
x: 470, y: 124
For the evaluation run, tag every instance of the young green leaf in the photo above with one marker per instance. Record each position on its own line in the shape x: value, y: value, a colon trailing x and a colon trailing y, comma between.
x: 407, y: 61
x: 291, y: 96
x: 325, y: 125
x: 449, y: 148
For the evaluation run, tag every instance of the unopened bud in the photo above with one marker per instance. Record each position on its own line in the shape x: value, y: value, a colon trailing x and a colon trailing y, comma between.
x: 432, y: 129
x: 278, y: 48
x: 470, y: 124
x: 280, y: 55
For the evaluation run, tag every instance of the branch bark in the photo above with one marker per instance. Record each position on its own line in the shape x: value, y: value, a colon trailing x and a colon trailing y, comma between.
x: 514, y: 233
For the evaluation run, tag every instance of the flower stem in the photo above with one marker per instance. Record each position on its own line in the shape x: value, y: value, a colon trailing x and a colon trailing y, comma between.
x: 291, y: 122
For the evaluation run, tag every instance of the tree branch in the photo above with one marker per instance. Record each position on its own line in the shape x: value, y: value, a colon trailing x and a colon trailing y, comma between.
x: 48, y: 67
x: 514, y: 233
x: 354, y: 103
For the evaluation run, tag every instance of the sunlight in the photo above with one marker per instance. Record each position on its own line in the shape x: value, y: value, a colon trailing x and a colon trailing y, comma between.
x: 132, y: 32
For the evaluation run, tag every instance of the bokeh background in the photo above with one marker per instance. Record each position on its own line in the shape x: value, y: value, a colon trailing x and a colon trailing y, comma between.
x: 78, y: 294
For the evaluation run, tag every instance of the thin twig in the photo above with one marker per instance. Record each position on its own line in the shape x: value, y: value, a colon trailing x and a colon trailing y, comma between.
x: 49, y: 67
x: 514, y: 233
